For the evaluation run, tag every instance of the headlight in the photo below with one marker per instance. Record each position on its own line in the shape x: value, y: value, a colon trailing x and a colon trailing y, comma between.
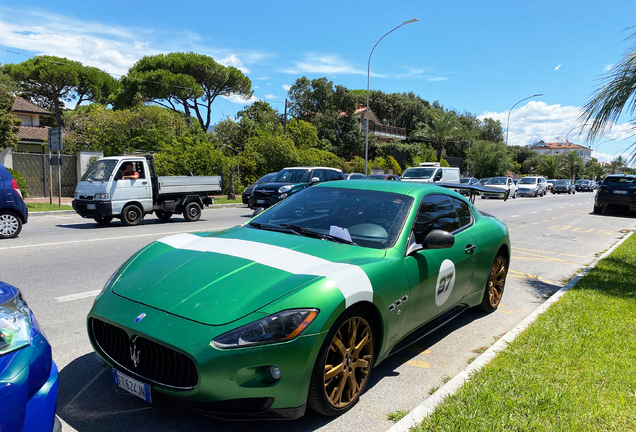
x: 279, y: 327
x: 15, y: 325
x: 103, y: 196
x: 285, y: 188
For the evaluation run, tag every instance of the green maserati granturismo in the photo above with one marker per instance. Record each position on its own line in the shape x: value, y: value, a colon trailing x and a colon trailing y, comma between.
x: 294, y: 308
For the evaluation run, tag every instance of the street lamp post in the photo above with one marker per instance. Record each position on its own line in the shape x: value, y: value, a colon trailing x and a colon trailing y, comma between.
x: 513, y: 107
x: 366, y: 113
x: 597, y: 145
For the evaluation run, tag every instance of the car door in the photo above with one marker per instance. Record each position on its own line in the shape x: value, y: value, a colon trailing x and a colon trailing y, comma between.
x: 440, y: 278
x: 127, y: 190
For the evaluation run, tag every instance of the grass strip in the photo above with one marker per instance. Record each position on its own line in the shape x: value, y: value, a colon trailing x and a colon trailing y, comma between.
x: 38, y: 207
x: 573, y: 369
x: 238, y: 200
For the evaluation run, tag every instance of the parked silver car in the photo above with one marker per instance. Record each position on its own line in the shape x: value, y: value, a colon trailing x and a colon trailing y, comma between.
x: 532, y: 186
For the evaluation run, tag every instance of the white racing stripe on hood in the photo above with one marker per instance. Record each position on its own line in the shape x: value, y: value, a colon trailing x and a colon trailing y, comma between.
x: 352, y: 281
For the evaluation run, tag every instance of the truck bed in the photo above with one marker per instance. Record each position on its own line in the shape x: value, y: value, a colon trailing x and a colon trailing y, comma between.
x: 185, y: 184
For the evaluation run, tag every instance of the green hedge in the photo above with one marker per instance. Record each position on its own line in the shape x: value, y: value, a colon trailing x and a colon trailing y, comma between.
x: 22, y: 184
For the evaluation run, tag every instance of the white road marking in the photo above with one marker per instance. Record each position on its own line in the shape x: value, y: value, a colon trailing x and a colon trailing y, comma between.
x: 113, y: 238
x: 77, y: 296
x: 548, y: 209
x: 533, y: 212
x: 515, y: 216
x: 352, y: 281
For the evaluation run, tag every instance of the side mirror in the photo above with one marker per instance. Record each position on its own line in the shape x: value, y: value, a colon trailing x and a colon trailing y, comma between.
x: 436, y: 239
x: 258, y: 211
x: 314, y: 180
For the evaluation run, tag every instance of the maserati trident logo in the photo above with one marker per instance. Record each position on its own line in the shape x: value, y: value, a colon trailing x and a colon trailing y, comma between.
x: 134, y: 353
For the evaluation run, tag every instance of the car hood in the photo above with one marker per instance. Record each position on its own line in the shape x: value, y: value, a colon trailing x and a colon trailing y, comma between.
x: 275, y: 185
x: 504, y: 187
x: 218, y: 278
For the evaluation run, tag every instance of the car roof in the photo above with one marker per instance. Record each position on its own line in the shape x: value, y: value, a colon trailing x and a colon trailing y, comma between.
x: 313, y: 167
x: 413, y: 189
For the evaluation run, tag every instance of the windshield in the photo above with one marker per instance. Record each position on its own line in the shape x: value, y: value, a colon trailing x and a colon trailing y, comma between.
x: 418, y: 173
x: 372, y: 219
x: 562, y: 182
x: 291, y: 176
x: 498, y: 181
x: 265, y: 179
x: 528, y: 180
x: 100, y: 170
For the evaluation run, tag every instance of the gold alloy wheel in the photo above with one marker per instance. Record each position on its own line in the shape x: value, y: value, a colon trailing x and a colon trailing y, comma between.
x: 349, y: 361
x: 496, y: 281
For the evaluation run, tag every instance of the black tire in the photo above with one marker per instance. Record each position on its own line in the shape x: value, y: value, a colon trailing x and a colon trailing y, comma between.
x: 10, y: 225
x: 495, y: 284
x: 131, y: 215
x: 598, y: 209
x: 319, y: 399
x: 163, y: 215
x: 192, y: 212
x: 103, y: 220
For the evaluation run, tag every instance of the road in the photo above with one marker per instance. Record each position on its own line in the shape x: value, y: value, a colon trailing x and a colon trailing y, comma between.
x: 60, y: 262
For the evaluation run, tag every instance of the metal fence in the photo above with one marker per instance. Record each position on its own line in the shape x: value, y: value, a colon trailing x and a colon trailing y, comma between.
x: 34, y: 169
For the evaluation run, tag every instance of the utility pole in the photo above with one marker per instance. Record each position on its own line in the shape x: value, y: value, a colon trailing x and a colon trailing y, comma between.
x: 285, y: 119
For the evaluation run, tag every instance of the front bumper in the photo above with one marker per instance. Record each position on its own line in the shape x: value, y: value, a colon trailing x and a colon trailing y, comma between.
x: 231, y: 383
x: 529, y: 192
x: 93, y: 209
x: 28, y: 388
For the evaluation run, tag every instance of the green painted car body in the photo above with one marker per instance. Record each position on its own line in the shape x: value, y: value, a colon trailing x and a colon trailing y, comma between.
x: 174, y: 298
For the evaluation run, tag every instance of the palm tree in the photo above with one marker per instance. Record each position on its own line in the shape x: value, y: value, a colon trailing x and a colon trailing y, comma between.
x: 598, y: 171
x: 617, y: 92
x: 444, y: 126
x: 615, y: 166
x: 573, y: 163
x: 550, y: 167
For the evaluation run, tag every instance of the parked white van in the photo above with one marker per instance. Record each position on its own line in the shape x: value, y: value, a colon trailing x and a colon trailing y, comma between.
x: 429, y: 172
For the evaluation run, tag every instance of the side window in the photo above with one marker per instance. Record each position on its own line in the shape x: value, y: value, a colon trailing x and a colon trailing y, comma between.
x: 332, y: 175
x: 139, y: 168
x: 306, y: 177
x: 320, y: 173
x: 438, y: 175
x: 436, y: 212
x: 463, y: 212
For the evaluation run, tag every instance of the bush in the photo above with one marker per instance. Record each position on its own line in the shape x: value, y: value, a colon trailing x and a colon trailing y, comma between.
x: 22, y: 184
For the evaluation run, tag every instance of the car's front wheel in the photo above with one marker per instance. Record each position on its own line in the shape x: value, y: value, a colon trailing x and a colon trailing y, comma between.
x: 344, y: 364
x: 10, y: 225
x: 131, y: 215
x: 495, y: 285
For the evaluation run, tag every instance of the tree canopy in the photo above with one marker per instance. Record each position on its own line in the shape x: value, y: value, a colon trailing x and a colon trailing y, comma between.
x: 9, y: 123
x: 183, y: 81
x: 49, y: 81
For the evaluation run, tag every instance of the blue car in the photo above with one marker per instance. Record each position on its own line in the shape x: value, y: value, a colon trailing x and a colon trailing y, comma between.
x: 13, y: 210
x: 28, y: 375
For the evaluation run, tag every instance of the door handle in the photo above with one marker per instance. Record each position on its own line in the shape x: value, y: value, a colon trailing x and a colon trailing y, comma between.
x: 144, y: 182
x: 470, y: 249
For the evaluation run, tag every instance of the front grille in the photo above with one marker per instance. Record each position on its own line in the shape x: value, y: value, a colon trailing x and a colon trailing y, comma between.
x: 262, y: 193
x: 155, y: 362
x: 86, y: 197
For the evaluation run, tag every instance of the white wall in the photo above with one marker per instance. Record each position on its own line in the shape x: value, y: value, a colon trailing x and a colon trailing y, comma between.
x: 84, y: 161
x: 6, y: 157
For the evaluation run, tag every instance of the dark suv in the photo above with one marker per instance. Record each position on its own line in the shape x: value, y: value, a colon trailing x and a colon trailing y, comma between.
x: 564, y: 186
x: 616, y: 192
x: 583, y: 185
x: 288, y: 181
x: 13, y: 211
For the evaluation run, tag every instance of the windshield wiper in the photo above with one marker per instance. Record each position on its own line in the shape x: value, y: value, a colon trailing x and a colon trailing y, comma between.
x: 274, y: 228
x: 310, y: 233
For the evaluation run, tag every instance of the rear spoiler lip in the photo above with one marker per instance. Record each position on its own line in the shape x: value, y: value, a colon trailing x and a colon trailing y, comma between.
x: 474, y: 189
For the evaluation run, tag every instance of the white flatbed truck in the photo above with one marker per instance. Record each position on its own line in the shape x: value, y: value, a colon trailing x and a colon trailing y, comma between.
x: 102, y: 194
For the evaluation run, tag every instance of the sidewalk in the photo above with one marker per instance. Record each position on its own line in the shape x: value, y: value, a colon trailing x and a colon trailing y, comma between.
x: 65, y: 200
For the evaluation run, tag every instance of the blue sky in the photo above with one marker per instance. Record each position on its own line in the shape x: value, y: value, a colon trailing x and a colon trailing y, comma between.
x: 480, y: 57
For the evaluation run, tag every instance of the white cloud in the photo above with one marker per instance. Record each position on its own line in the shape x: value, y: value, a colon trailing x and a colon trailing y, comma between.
x: 286, y: 87
x: 538, y: 121
x: 325, y: 64
x: 270, y: 96
x: 437, y: 79
x: 234, y: 61
x: 557, y: 68
x: 608, y: 68
x: 605, y: 157
x: 240, y: 99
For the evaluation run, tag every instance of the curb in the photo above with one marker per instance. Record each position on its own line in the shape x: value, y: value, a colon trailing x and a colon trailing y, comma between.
x: 426, y: 408
x: 59, y: 212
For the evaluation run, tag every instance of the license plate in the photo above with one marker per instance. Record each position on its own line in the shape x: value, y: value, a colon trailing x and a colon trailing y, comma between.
x: 90, y: 206
x: 260, y: 201
x: 620, y: 192
x: 132, y: 386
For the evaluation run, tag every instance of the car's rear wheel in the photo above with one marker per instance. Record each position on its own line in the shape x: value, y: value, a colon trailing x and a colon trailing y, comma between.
x: 131, y: 215
x: 10, y: 225
x: 495, y: 285
x: 163, y: 215
x: 103, y: 220
x: 192, y: 212
x: 343, y: 365
x: 598, y: 209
